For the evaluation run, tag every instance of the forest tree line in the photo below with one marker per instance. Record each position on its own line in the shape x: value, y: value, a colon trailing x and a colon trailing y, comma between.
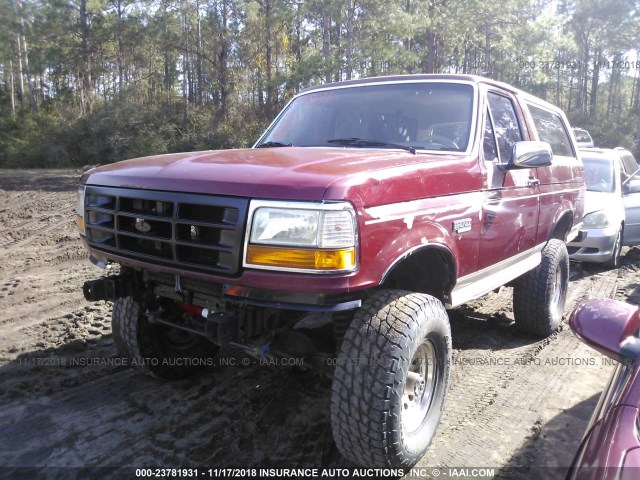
x: 95, y: 81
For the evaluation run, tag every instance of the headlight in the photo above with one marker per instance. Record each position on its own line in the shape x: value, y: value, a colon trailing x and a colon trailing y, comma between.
x: 306, y: 237
x: 596, y: 220
x: 80, y: 210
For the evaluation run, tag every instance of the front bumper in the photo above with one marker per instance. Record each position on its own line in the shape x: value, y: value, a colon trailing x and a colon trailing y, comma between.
x: 183, y: 286
x: 593, y: 245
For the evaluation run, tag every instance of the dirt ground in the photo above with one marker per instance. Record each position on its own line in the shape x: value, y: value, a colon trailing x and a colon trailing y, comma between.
x: 517, y: 407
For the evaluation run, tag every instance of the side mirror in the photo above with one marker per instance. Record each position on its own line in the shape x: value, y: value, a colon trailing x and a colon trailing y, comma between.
x: 610, y: 327
x: 530, y: 155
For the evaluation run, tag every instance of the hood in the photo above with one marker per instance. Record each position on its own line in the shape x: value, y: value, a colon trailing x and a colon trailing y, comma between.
x: 594, y: 201
x: 293, y: 173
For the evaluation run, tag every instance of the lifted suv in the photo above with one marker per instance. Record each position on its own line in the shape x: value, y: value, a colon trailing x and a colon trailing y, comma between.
x: 378, y: 203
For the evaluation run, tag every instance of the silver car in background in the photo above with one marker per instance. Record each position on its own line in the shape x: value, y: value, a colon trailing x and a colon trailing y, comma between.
x: 612, y: 207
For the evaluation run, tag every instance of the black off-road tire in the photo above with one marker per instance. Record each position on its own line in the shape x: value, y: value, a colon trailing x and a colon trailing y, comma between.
x: 157, y: 350
x: 614, y: 261
x: 391, y: 379
x: 539, y: 296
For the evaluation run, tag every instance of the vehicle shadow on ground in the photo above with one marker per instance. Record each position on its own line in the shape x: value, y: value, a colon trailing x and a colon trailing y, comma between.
x: 580, y: 270
x: 474, y: 329
x: 471, y: 329
x: 630, y: 259
x: 633, y: 294
x: 39, y: 180
x: 548, y: 451
x: 629, y: 265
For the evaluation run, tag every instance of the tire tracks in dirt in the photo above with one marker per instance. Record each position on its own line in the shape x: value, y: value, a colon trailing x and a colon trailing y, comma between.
x: 20, y: 203
x: 57, y: 219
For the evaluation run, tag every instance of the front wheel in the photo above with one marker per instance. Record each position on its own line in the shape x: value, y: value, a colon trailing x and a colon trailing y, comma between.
x: 539, y: 295
x: 614, y: 261
x: 157, y: 350
x: 391, y: 379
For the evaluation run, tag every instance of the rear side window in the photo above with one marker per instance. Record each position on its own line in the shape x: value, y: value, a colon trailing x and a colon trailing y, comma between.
x: 505, y: 123
x: 551, y: 130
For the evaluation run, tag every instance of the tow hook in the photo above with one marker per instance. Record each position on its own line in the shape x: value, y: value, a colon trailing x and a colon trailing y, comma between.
x: 101, y: 289
x: 220, y: 327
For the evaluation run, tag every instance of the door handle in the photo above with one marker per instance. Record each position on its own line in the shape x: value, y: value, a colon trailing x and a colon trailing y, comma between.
x: 533, y: 182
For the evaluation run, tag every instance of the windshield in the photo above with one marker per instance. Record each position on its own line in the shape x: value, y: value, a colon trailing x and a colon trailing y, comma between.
x: 598, y: 173
x: 430, y: 116
x: 582, y: 136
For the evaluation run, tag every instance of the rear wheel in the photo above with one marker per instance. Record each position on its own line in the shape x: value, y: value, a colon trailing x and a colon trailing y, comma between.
x: 539, y: 296
x: 391, y: 379
x: 157, y: 350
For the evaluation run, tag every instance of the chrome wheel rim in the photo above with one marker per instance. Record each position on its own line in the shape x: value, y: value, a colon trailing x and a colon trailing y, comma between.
x: 419, y: 388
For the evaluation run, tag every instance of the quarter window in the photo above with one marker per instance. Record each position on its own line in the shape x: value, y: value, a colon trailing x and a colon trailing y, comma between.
x: 551, y: 130
x: 505, y: 123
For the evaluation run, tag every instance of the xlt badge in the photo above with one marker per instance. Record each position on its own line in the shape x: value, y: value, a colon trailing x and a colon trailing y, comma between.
x: 462, y: 226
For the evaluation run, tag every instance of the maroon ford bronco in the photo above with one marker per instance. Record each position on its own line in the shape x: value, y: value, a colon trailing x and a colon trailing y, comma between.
x: 367, y: 207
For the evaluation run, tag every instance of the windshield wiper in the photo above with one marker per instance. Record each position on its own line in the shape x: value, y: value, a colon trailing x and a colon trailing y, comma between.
x: 274, y: 144
x: 359, y: 142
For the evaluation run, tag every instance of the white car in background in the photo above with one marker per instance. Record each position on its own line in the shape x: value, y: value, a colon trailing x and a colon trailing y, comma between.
x: 612, y: 208
x: 583, y: 138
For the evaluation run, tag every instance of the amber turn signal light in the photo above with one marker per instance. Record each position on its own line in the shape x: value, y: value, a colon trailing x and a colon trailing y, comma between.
x: 301, y: 258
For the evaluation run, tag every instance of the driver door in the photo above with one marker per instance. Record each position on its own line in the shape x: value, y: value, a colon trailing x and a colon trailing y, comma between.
x: 511, y: 207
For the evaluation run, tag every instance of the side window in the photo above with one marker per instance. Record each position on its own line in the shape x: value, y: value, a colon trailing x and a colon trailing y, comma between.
x: 489, y: 144
x: 629, y: 164
x: 551, y: 130
x: 505, y: 123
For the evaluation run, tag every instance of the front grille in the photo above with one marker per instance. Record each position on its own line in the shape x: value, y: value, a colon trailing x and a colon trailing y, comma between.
x: 201, y: 232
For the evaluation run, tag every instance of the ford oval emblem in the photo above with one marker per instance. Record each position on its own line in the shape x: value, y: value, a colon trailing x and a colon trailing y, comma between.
x: 142, y: 225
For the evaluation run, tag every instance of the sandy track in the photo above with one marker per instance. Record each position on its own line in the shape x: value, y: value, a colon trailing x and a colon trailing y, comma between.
x: 517, y: 405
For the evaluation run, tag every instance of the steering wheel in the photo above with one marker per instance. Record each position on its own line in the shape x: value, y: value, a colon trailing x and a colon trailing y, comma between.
x: 440, y: 140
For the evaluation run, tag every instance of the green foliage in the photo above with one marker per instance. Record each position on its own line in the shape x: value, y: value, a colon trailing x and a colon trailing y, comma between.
x: 117, y: 131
